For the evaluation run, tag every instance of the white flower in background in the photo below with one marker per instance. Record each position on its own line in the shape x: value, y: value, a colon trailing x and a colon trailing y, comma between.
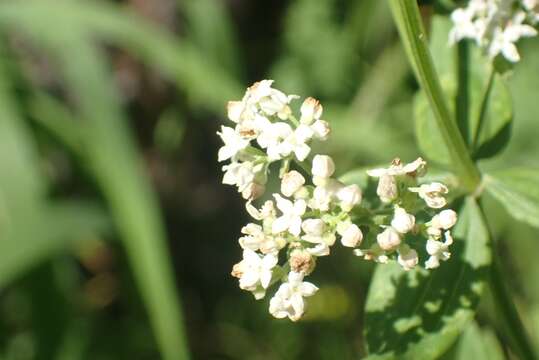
x: 432, y: 193
x: 270, y: 101
x: 288, y: 301
x: 349, y: 196
x: 503, y: 40
x: 374, y: 253
x: 389, y: 239
x: 310, y: 110
x: 402, y: 221
x: 234, y: 143
x: 254, y: 237
x: 495, y: 25
x: 407, y: 258
x: 438, y: 251
x: 351, y: 235
x: 292, y: 181
x: 464, y: 26
x: 255, y: 270
x: 291, y: 218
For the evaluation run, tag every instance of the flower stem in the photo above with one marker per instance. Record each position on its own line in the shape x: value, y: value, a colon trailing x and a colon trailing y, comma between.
x: 519, y: 340
x: 408, y: 19
x: 483, y: 112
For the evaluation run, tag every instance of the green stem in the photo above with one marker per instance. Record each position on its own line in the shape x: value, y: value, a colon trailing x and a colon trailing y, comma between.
x: 518, y: 338
x: 408, y: 19
x: 483, y: 112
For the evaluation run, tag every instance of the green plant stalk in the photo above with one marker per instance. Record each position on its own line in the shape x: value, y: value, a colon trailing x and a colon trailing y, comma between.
x: 408, y: 19
x: 483, y: 112
x: 518, y: 338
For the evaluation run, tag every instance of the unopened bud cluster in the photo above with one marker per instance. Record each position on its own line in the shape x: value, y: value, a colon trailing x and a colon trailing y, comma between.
x: 496, y: 25
x: 313, y: 209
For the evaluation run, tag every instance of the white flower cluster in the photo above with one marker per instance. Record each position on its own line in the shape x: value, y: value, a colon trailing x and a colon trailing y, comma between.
x: 397, y: 188
x: 264, y: 116
x: 496, y: 25
x: 304, y: 220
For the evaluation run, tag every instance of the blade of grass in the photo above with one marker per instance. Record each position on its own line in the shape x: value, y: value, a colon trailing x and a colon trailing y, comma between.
x: 113, y: 159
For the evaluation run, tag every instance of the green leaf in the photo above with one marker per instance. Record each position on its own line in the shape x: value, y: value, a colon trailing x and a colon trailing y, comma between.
x: 419, y: 314
x: 518, y: 191
x: 480, y: 104
x: 478, y: 344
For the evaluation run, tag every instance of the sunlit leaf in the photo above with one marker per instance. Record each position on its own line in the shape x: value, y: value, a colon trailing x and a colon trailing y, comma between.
x: 419, y: 314
x: 517, y: 190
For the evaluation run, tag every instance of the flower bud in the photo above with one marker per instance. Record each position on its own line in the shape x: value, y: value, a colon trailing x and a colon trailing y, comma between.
x: 253, y: 191
x: 292, y: 182
x: 388, y: 239
x: 447, y: 218
x: 387, y: 188
x: 402, y: 221
x: 310, y: 110
x: 323, y: 166
x: 352, y: 236
x: 301, y: 261
x: 349, y: 196
x: 313, y: 226
x: 321, y: 129
x: 407, y: 258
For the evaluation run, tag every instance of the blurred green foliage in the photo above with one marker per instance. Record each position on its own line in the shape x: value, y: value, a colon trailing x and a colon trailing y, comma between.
x: 111, y: 208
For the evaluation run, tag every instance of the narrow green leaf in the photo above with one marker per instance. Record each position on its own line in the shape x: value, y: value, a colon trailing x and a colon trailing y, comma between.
x: 517, y: 190
x: 419, y: 314
x: 113, y: 161
x: 203, y: 81
x: 476, y: 343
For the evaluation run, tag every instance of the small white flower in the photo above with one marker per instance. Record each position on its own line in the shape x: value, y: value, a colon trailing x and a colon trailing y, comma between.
x: 438, y: 251
x: 351, y: 235
x: 291, y: 218
x: 234, y: 143
x: 315, y: 233
x: 432, y: 194
x: 446, y: 219
x: 310, y: 110
x: 322, y: 168
x: 253, y: 191
x: 254, y: 237
x: 255, y: 270
x: 387, y: 189
x: 288, y: 300
x: 415, y: 168
x: 240, y: 174
x: 464, y: 26
x: 407, y: 258
x: 235, y: 110
x: 402, y: 221
x: 266, y: 212
x: 292, y: 181
x: 272, y: 138
x: 503, y: 41
x: 321, y: 129
x: 323, y: 195
x: 349, y: 196
x: 388, y: 239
